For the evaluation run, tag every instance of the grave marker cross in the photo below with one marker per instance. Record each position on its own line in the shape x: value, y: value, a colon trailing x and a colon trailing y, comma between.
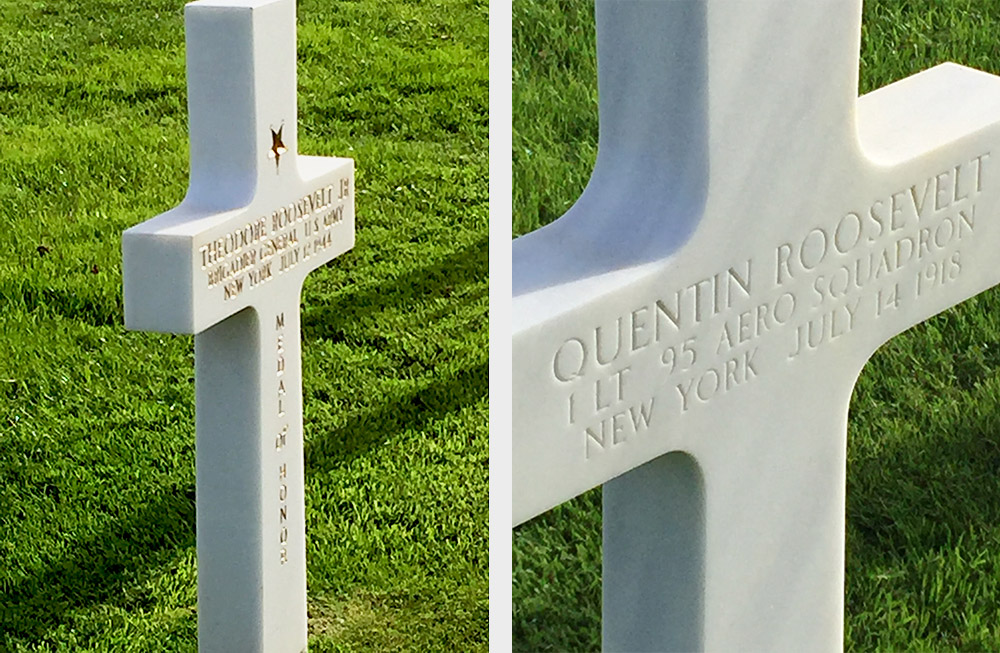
x: 227, y: 265
x: 690, y: 332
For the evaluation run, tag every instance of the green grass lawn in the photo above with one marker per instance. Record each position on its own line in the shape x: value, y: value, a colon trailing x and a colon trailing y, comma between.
x: 97, y: 505
x: 923, y: 522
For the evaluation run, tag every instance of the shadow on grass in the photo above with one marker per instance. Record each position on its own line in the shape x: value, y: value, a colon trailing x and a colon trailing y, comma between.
x: 91, y: 306
x: 108, y: 567
x: 920, y: 513
x: 557, y: 578
x: 415, y: 410
x: 458, y: 269
x: 921, y: 494
x: 111, y: 565
x: 435, y: 394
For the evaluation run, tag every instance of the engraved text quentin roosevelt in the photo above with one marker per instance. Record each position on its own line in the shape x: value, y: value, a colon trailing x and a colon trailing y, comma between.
x: 710, y: 337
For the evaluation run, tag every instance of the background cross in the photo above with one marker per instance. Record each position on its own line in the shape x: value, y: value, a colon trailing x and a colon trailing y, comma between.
x: 732, y: 120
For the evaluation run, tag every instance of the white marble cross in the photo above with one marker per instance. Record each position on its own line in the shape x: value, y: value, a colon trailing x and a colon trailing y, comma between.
x: 690, y: 332
x: 228, y: 265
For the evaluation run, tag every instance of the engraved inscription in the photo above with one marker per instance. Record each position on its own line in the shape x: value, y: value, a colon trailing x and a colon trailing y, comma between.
x: 713, y: 337
x: 280, y: 442
x: 272, y: 244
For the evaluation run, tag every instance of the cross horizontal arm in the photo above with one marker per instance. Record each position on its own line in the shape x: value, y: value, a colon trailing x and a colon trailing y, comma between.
x: 187, y: 269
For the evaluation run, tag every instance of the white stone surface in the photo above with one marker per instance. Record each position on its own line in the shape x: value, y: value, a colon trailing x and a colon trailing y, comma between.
x: 690, y: 332
x: 227, y: 265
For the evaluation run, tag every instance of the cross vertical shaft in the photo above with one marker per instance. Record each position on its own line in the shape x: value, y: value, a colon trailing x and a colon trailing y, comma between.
x: 251, y: 496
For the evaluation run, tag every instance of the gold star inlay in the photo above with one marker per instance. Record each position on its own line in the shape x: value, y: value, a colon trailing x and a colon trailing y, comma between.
x: 277, y: 147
